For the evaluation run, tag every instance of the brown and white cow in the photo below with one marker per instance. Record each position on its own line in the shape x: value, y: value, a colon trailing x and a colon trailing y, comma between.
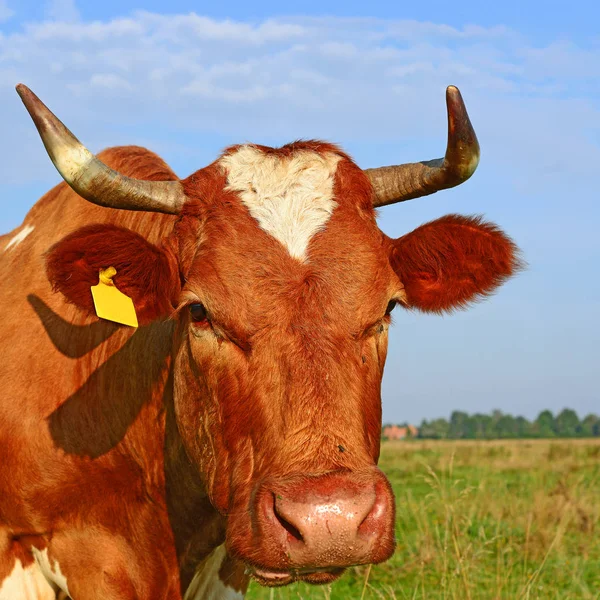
x: 235, y: 434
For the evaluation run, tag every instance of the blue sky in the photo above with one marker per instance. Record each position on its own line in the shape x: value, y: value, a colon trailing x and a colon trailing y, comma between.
x: 371, y: 76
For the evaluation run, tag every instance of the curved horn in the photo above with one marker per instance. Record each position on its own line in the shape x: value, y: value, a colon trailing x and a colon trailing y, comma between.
x: 89, y: 176
x: 412, y: 180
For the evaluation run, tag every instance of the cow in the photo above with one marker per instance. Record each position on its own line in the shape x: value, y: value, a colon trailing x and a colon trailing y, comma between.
x: 235, y: 433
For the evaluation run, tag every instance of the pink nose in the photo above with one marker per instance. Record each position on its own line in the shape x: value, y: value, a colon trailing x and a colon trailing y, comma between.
x: 334, y: 520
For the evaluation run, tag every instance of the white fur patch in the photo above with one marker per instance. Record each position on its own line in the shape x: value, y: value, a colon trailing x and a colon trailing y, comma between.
x: 290, y: 197
x: 19, y: 237
x: 26, y: 584
x: 206, y: 584
x: 51, y: 572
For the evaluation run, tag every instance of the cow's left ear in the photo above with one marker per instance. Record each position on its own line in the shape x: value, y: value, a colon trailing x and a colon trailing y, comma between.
x: 146, y: 273
x: 451, y: 262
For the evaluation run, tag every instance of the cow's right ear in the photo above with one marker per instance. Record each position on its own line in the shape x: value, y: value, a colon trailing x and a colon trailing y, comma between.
x: 146, y: 273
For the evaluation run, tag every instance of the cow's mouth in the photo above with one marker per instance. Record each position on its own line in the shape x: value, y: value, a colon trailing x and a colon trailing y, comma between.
x: 315, y: 576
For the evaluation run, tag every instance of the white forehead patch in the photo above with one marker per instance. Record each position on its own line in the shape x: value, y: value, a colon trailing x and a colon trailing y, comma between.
x: 19, y: 237
x: 291, y: 197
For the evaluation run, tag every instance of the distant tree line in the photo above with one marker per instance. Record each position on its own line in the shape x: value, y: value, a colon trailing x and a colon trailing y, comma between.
x: 499, y: 425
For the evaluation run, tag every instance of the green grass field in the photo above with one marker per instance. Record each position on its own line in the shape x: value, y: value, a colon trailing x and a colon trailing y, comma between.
x: 483, y: 520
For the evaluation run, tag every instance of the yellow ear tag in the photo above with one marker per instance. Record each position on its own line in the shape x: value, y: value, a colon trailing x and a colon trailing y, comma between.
x: 110, y: 303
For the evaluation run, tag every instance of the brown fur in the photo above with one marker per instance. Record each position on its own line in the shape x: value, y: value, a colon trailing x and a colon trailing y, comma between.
x: 149, y: 450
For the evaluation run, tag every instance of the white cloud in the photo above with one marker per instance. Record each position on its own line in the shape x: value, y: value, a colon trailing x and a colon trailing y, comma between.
x: 205, y: 29
x: 62, y: 10
x: 5, y: 11
x: 110, y: 81
x: 357, y: 79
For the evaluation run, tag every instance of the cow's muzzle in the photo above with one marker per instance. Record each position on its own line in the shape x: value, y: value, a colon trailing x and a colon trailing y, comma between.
x: 312, y: 527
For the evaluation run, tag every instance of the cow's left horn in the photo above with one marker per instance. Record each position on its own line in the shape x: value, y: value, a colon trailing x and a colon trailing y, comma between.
x: 89, y: 176
x: 412, y: 180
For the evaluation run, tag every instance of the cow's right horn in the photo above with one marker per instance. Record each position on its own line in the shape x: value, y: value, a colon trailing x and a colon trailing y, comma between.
x: 89, y: 176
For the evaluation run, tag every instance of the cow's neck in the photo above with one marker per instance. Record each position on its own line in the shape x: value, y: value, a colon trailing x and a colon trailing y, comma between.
x: 206, y: 571
x: 197, y: 527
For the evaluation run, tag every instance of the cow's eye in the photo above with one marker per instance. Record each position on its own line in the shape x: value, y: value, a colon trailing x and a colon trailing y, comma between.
x: 198, y: 313
x: 390, y: 307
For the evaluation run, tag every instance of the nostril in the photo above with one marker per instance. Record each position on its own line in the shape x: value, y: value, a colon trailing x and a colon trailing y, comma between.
x: 376, y: 514
x: 292, y: 531
x: 363, y: 521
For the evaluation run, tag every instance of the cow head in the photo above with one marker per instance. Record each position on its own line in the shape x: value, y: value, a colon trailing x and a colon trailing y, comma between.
x: 282, y: 285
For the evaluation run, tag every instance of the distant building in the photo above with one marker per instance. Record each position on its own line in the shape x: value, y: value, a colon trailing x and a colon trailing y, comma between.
x: 394, y: 432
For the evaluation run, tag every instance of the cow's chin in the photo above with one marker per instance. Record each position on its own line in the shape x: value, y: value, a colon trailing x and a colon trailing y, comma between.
x: 270, y: 578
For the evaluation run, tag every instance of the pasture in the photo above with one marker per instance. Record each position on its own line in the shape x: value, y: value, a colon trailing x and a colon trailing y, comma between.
x: 483, y: 520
